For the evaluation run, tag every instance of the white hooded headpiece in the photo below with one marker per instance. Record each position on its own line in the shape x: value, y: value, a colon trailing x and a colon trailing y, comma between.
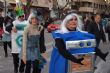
x: 63, y: 28
x: 31, y: 16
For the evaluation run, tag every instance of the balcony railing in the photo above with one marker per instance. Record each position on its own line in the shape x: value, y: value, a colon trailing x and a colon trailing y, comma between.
x: 86, y: 9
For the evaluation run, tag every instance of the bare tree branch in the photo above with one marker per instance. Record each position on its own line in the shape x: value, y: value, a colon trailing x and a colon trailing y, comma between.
x: 60, y: 10
x: 65, y: 5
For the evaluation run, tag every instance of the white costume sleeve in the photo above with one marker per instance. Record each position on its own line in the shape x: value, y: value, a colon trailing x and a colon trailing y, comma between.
x: 5, y: 29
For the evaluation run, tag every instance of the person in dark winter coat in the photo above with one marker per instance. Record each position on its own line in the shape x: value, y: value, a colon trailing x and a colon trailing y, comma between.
x: 96, y: 29
x: 7, y: 27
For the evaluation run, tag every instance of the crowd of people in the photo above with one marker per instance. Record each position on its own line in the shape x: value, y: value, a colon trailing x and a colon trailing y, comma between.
x: 26, y: 40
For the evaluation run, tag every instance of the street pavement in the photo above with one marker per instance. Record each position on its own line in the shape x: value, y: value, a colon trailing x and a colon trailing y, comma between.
x: 6, y: 64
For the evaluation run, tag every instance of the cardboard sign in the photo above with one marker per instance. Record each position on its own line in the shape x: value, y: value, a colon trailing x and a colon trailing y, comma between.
x: 88, y: 64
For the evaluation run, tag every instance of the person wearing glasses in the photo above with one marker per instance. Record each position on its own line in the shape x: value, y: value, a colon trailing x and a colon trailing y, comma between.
x: 18, y: 24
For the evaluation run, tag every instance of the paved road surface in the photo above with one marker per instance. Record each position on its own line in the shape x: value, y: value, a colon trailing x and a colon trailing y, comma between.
x: 6, y: 65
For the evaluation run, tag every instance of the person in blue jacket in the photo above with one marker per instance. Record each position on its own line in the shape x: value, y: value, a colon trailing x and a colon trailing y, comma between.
x: 70, y: 40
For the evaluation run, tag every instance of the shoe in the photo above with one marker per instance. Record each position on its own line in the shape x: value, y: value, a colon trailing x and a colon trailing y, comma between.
x: 6, y: 55
x: 95, y: 68
x: 104, y: 56
x: 16, y: 71
x: 21, y: 72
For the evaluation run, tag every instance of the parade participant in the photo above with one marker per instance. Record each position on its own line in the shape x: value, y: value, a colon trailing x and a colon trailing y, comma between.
x: 7, y: 27
x: 17, y: 32
x: 33, y: 44
x: 70, y: 30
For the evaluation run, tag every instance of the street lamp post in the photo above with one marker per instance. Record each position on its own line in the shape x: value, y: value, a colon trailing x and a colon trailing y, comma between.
x: 106, y: 6
x: 5, y: 9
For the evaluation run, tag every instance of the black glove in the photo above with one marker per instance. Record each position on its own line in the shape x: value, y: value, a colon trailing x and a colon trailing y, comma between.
x: 42, y: 50
x: 80, y: 60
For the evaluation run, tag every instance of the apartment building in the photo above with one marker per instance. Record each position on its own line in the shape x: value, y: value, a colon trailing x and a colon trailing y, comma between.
x: 108, y: 1
x: 85, y: 6
x: 92, y: 6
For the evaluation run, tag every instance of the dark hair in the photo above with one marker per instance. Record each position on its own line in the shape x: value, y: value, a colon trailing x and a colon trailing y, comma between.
x: 7, y: 18
x: 97, y: 14
x: 1, y: 9
x: 83, y: 18
x: 8, y: 28
x: 92, y: 18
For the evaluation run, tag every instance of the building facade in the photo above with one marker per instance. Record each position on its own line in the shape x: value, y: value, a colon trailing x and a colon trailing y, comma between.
x: 108, y: 1
x: 92, y: 6
x: 87, y: 6
x: 1, y: 5
x: 83, y: 6
x: 36, y: 3
x: 43, y: 6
